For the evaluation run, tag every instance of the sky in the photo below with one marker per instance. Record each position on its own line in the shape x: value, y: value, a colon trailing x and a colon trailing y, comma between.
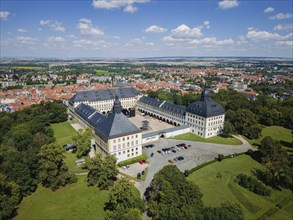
x: 146, y: 28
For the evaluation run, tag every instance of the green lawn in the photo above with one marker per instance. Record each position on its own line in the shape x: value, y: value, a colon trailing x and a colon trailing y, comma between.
x: 216, y: 183
x: 104, y: 72
x: 216, y: 139
x: 75, y: 201
x: 276, y: 133
x: 63, y: 132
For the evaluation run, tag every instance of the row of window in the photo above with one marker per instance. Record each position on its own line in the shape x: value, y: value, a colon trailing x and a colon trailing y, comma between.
x: 128, y: 155
x: 215, y: 118
x: 123, y: 145
x: 123, y: 139
x: 215, y: 123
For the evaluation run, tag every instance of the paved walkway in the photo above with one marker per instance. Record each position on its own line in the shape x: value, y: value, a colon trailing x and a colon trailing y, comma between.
x: 197, y: 154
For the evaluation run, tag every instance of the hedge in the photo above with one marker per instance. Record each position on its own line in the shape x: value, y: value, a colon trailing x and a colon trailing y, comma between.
x: 132, y: 160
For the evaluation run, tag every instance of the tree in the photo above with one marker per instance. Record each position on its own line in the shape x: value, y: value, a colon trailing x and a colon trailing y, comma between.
x: 102, y: 172
x: 16, y: 169
x: 124, y: 202
x: 84, y: 142
x: 243, y: 121
x: 228, y: 129
x: 226, y: 211
x: 174, y: 198
x: 254, y: 131
x: 9, y: 197
x: 53, y: 171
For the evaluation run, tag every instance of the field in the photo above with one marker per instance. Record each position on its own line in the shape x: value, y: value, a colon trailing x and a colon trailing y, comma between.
x: 276, y: 133
x: 75, y: 201
x: 216, y: 183
x: 28, y: 67
x: 63, y: 132
x: 104, y: 73
x: 216, y: 139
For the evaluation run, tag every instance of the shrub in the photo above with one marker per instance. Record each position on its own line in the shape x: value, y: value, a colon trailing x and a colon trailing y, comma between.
x: 253, y: 185
x: 132, y: 160
x: 220, y: 157
x: 186, y: 173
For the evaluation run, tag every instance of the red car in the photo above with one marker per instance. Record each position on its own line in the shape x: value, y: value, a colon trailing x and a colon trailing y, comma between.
x: 140, y: 162
x: 183, y: 144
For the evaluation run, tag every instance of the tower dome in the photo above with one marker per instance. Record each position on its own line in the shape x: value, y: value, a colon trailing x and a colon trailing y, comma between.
x: 117, y: 108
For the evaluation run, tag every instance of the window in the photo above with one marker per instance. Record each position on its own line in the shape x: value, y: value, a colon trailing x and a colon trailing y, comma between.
x: 132, y: 154
x: 136, y: 148
x: 132, y: 149
x: 136, y: 136
x: 127, y: 138
x: 124, y: 152
x: 119, y: 146
x: 136, y: 142
x: 114, y: 147
x: 114, y: 141
x: 128, y: 155
x: 127, y: 151
x: 119, y: 140
x: 123, y: 145
x: 119, y: 153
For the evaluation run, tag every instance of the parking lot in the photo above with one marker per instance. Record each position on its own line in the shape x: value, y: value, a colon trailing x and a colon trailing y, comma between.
x: 198, y: 153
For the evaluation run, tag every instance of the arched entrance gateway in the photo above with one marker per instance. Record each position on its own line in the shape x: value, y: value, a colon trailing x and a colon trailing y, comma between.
x: 162, y: 135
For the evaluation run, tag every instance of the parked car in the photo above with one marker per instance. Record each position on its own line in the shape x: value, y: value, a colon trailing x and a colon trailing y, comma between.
x: 138, y: 176
x: 152, y: 154
x: 174, y: 151
x: 189, y: 145
x: 140, y: 162
x: 159, y: 151
x: 171, y: 161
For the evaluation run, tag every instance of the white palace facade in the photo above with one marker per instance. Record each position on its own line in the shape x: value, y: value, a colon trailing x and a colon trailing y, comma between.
x: 205, y: 116
x: 115, y: 134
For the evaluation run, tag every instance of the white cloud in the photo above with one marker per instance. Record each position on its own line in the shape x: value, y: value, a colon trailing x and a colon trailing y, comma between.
x: 116, y: 4
x: 44, y: 22
x: 213, y: 41
x: 269, y: 10
x: 206, y: 24
x: 283, y: 27
x: 4, y: 15
x: 261, y: 35
x: 56, y: 39
x: 57, y: 27
x: 185, y: 32
x: 85, y: 27
x: 155, y: 29
x: 284, y: 43
x: 22, y: 30
x: 281, y: 16
x: 26, y: 40
x: 227, y: 4
x: 130, y: 9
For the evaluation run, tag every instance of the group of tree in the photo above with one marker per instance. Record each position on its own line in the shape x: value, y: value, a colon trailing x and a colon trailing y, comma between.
x: 252, y: 184
x: 102, y: 171
x: 243, y: 116
x: 83, y: 139
x: 174, y: 96
x: 123, y: 202
x: 278, y: 164
x: 172, y: 196
x: 22, y: 135
x: 247, y: 117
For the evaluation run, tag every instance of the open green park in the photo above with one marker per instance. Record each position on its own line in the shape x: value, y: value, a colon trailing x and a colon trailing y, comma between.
x: 215, y: 139
x: 277, y: 133
x: 104, y: 72
x: 75, y: 201
x: 216, y: 182
x: 63, y: 133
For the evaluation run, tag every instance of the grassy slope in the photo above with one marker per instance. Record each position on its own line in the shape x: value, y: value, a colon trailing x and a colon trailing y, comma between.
x: 75, y: 201
x: 217, y: 190
x: 276, y: 133
x: 216, y: 139
x: 63, y: 132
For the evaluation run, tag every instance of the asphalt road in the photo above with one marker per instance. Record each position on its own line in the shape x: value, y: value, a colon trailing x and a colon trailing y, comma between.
x: 195, y: 155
